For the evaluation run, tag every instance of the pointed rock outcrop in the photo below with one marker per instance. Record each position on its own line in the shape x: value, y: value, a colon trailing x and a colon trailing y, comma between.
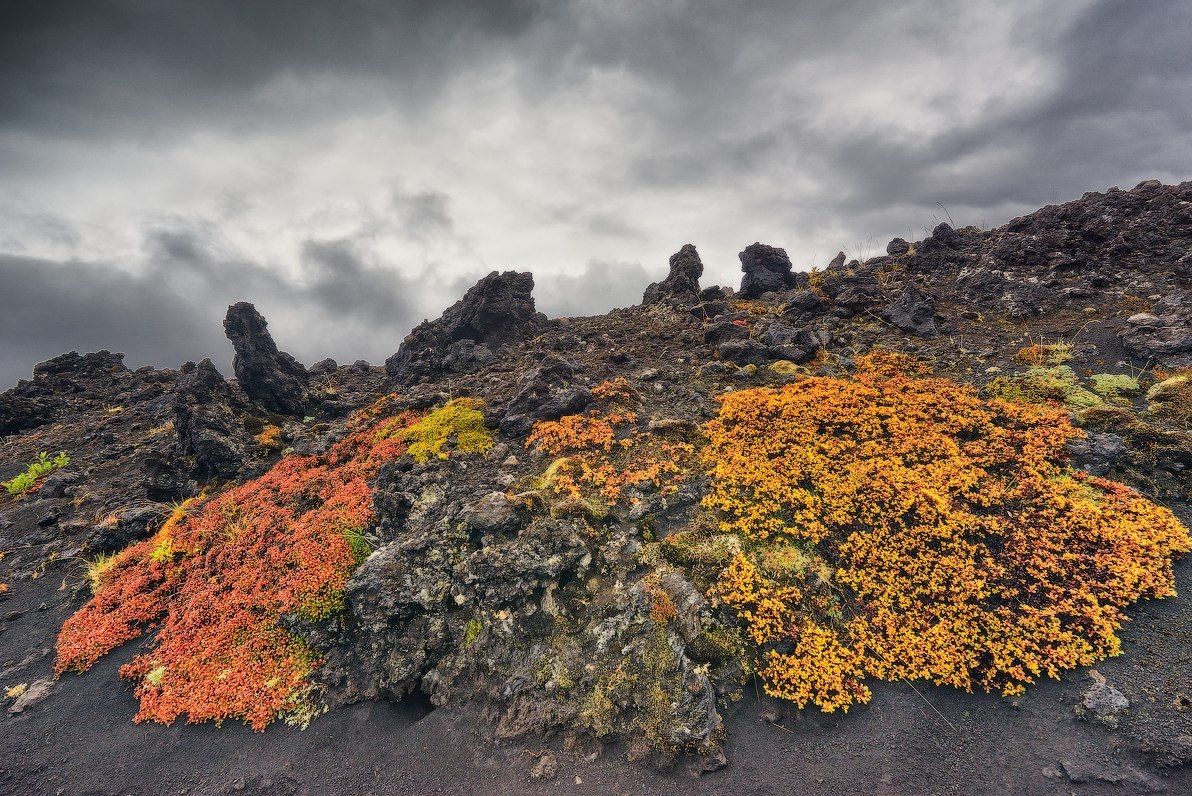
x: 682, y: 283
x: 496, y: 311
x: 270, y: 377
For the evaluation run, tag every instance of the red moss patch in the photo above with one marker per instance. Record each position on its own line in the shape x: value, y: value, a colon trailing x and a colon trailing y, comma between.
x: 219, y: 575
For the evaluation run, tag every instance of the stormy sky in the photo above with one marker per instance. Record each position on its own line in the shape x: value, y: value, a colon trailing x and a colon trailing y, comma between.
x: 352, y: 166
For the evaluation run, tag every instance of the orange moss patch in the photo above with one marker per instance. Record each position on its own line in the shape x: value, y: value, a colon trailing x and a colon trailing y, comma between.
x: 218, y: 576
x: 606, y: 453
x: 662, y: 607
x: 1034, y: 355
x: 958, y: 547
x: 271, y: 438
x: 616, y: 390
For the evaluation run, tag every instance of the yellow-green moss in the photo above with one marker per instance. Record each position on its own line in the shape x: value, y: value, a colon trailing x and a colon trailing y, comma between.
x: 1114, y: 386
x: 717, y: 645
x: 696, y: 549
x: 785, y: 369
x: 652, y: 677
x: 472, y: 632
x: 460, y: 420
x: 1040, y: 384
x: 1171, y: 399
x: 790, y: 562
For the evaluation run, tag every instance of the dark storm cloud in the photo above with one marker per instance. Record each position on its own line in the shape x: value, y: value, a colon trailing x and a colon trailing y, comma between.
x: 338, y: 280
x: 171, y: 311
x: 351, y: 167
x: 47, y: 308
x: 108, y: 66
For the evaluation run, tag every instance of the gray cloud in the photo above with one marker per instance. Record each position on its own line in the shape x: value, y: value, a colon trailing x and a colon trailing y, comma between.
x: 47, y: 308
x: 105, y: 66
x: 598, y: 284
x: 351, y: 167
x: 424, y: 214
x: 170, y: 310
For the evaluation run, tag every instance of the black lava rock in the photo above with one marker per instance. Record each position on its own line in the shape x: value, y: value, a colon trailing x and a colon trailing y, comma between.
x: 767, y: 269
x: 496, y: 311
x: 272, y: 378
x: 682, y: 283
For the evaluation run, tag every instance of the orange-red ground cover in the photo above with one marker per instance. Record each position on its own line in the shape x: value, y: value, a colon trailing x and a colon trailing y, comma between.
x: 217, y: 577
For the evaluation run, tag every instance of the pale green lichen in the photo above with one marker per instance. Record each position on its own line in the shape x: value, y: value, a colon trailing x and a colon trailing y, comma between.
x: 1039, y: 384
x: 1114, y: 386
x: 1171, y: 399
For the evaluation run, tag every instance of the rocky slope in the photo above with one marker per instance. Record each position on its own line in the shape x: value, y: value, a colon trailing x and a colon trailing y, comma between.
x: 488, y: 590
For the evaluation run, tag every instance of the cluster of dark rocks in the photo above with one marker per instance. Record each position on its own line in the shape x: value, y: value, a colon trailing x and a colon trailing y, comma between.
x: 477, y: 590
x: 1127, y: 246
x: 496, y: 311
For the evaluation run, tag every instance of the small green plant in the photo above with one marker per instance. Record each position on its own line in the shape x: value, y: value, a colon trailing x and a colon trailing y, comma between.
x: 163, y: 551
x: 1114, y: 386
x: 358, y: 543
x: 155, y: 675
x: 33, y: 473
x: 303, y: 707
x: 96, y: 568
x: 472, y: 632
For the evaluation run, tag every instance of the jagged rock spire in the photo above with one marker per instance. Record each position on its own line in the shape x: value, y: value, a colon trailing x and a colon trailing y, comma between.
x: 682, y: 283
x: 272, y: 378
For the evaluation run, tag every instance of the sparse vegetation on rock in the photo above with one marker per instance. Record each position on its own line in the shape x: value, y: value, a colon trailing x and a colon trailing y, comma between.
x: 605, y: 527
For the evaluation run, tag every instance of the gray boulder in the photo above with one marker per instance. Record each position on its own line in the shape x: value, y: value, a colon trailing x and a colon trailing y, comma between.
x: 1102, y: 702
x: 547, y: 393
x: 913, y: 312
x: 1165, y: 334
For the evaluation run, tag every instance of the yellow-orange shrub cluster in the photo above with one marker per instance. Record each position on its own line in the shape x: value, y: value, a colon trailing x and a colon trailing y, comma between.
x: 573, y: 433
x: 616, y: 390
x: 960, y: 548
x: 605, y: 453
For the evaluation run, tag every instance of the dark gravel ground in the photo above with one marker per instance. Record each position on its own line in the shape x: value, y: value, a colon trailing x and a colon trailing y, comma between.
x: 80, y: 739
